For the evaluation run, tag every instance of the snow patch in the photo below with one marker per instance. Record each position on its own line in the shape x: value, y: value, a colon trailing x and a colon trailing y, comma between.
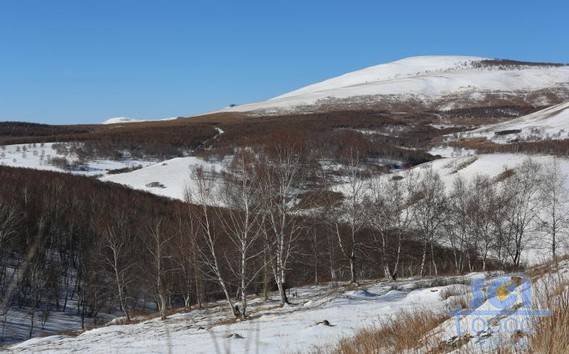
x: 121, y: 120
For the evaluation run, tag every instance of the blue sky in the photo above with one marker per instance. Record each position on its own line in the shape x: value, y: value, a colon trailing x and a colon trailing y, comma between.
x: 83, y: 61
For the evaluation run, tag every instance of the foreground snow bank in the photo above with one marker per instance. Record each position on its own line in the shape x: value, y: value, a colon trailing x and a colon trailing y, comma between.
x: 320, y: 316
x: 509, y: 308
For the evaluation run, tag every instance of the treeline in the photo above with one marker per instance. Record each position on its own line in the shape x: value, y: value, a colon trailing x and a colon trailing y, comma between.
x: 13, y: 131
x: 508, y: 64
x: 398, y: 137
x: 549, y: 147
x: 106, y: 248
x: 115, y: 141
x: 276, y: 218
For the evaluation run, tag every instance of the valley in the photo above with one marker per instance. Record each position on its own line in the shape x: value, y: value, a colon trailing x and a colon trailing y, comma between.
x: 309, y: 222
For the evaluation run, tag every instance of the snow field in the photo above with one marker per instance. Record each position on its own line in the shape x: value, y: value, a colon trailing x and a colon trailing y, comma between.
x: 423, y: 78
x: 271, y: 329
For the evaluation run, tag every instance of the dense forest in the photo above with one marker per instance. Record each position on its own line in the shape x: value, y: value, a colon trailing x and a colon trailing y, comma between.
x: 303, y: 200
x: 112, y: 249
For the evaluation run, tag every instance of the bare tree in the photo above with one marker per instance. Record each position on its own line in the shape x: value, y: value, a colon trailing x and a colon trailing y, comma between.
x: 457, y: 225
x: 429, y: 212
x: 520, y: 199
x: 202, y: 192
x: 282, y: 178
x: 390, y: 218
x: 482, y: 203
x: 242, y: 218
x: 554, y: 199
x: 351, y: 212
x: 117, y: 244
x: 8, y: 221
x: 185, y: 255
x: 158, y: 250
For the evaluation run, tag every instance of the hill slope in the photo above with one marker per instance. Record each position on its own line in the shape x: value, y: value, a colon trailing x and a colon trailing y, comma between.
x: 549, y: 123
x: 428, y: 82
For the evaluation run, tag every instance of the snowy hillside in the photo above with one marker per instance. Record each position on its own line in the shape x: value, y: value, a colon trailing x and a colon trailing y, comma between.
x: 122, y: 120
x: 168, y: 178
x: 440, y: 82
x: 490, y: 165
x: 56, y: 157
x: 321, y: 316
x: 294, y: 328
x: 550, y: 123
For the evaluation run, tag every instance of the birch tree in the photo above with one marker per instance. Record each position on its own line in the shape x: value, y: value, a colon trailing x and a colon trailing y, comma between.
x: 282, y: 179
x: 117, y: 245
x: 390, y: 218
x: 202, y: 192
x: 521, y: 192
x: 157, y: 248
x: 482, y: 202
x: 351, y: 212
x: 8, y: 222
x: 429, y: 212
x: 554, y: 199
x: 242, y: 219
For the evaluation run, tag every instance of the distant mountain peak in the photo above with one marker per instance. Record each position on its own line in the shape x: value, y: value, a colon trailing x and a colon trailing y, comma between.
x: 428, y: 83
x: 123, y: 120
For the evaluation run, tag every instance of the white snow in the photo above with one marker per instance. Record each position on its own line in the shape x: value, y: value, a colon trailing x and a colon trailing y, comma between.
x: 551, y: 123
x: 401, y: 69
x: 423, y: 78
x: 271, y: 329
x: 469, y: 166
x: 121, y: 120
x: 491, y: 325
x: 38, y: 156
x: 451, y: 151
x: 168, y: 178
x: 17, y: 325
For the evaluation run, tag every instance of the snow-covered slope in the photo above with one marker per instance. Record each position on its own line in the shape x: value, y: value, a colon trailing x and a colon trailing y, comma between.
x: 292, y: 329
x: 169, y: 178
x: 121, y: 120
x: 550, y: 123
x: 503, y: 319
x: 441, y: 82
x: 490, y: 165
x: 46, y: 157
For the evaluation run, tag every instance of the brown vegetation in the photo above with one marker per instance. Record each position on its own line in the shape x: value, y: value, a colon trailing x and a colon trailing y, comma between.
x: 404, y: 332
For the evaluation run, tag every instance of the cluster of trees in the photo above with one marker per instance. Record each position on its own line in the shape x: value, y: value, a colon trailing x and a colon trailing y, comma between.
x: 549, y: 146
x: 70, y: 243
x: 273, y: 219
x: 12, y: 132
x: 484, y: 223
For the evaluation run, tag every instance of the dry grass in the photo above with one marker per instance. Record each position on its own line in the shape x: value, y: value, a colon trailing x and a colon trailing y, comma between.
x: 458, y: 297
x: 464, y: 164
x: 551, y: 333
x: 460, y: 302
x: 507, y: 173
x: 545, y: 268
x: 403, y: 332
x: 453, y: 290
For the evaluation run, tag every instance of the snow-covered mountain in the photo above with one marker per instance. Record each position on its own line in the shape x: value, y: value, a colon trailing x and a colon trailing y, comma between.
x: 122, y: 120
x: 550, y: 123
x: 428, y: 82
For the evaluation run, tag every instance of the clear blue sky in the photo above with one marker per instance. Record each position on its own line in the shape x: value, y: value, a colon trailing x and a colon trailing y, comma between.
x: 82, y: 61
